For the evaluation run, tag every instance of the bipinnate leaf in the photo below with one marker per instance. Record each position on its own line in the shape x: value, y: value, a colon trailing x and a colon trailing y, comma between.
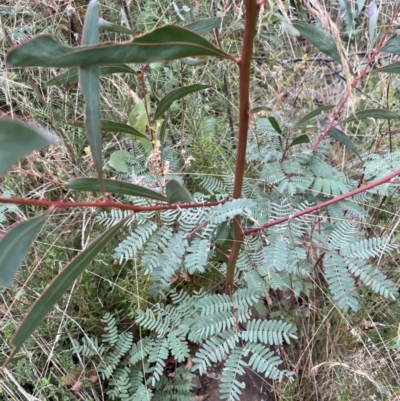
x: 204, y: 25
x: 167, y: 43
x: 72, y: 75
x: 312, y: 114
x: 18, y: 140
x: 300, y: 139
x: 379, y: 114
x: 372, y: 20
x: 113, y: 126
x: 176, y: 94
x: 15, y: 245
x: 392, y: 46
x: 177, y: 193
x: 56, y: 289
x: 114, y: 186
x: 114, y: 28
x: 89, y: 77
x: 393, y: 68
x: 320, y: 39
x: 344, y: 139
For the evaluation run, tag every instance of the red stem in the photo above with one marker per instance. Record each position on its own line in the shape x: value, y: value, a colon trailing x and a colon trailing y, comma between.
x: 106, y: 204
x: 244, y: 114
x: 323, y: 204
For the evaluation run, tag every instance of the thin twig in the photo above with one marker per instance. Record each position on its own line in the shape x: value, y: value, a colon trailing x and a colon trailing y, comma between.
x: 311, y: 209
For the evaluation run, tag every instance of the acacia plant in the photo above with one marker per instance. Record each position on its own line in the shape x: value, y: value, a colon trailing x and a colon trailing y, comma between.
x: 265, y: 227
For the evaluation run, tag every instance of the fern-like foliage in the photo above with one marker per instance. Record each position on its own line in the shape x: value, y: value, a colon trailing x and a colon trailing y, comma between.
x: 192, y: 242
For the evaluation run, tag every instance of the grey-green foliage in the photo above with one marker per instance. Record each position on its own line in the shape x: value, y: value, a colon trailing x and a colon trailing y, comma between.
x: 134, y: 370
x: 287, y: 256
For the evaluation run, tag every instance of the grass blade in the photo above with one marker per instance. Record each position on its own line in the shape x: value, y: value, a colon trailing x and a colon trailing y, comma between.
x: 311, y: 115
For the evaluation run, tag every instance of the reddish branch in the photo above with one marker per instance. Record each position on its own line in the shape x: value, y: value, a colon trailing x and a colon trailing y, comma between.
x: 244, y: 114
x: 106, y: 204
x: 357, y: 79
x: 324, y: 204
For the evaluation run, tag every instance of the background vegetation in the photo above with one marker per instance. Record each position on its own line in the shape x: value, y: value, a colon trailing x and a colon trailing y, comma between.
x: 340, y: 353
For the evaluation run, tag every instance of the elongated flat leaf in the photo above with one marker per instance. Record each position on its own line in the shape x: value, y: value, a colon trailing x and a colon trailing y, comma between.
x: 18, y: 140
x: 320, y: 39
x: 300, y: 139
x: 109, y: 27
x: 379, y: 114
x: 113, y: 126
x: 163, y: 131
x: 89, y: 81
x: 114, y: 186
x: 311, y: 115
x: 72, y: 75
x: 392, y: 46
x: 15, y: 245
x: 56, y: 289
x: 275, y: 125
x: 176, y: 94
x: 163, y: 44
x: 177, y: 193
x: 204, y: 25
x: 344, y: 139
x: 372, y: 20
x: 393, y: 68
x: 347, y: 16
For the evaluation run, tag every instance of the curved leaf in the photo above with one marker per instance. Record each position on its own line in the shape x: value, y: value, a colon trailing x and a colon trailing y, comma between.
x: 204, y: 25
x: 347, y: 16
x: 320, y: 39
x: 392, y: 46
x: 163, y: 44
x: 56, y: 289
x: 18, y: 140
x: 275, y: 125
x: 177, y: 193
x: 72, y: 75
x: 372, y: 20
x: 89, y: 81
x: 113, y: 126
x: 163, y: 131
x: 300, y: 139
x: 15, y: 245
x: 114, y: 186
x: 312, y: 114
x: 393, y: 68
x: 176, y: 94
x: 379, y: 114
x: 109, y: 27
x: 344, y: 139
